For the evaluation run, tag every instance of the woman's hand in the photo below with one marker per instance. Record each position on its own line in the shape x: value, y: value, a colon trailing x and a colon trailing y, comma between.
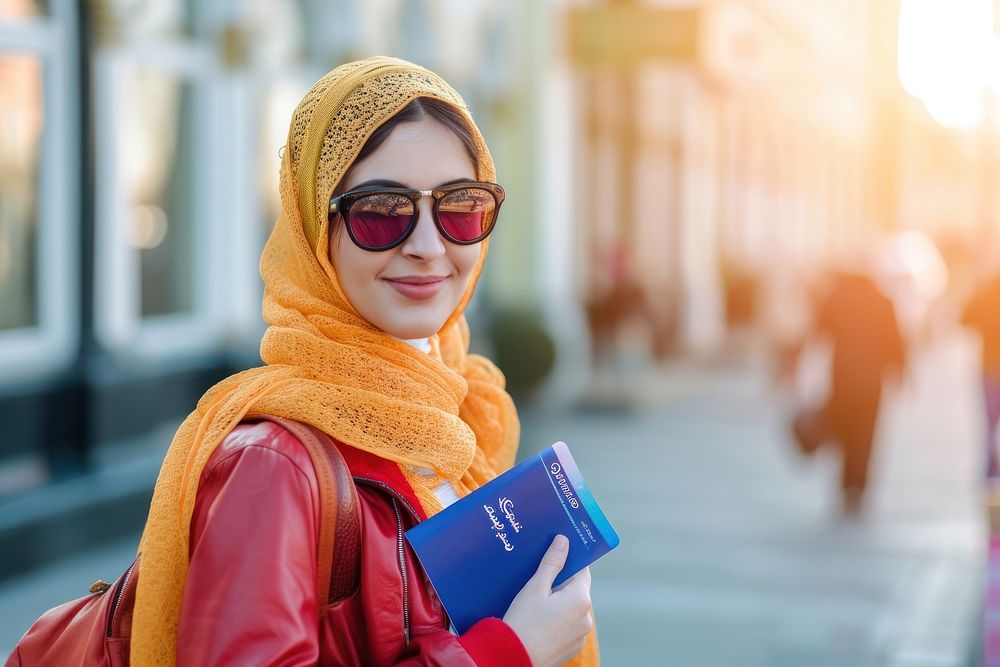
x: 552, y: 625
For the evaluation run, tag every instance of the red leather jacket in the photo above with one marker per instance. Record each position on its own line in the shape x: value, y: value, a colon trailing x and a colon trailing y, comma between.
x: 250, y: 593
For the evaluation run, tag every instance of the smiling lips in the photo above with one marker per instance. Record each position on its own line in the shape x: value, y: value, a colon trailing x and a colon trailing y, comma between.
x: 417, y: 287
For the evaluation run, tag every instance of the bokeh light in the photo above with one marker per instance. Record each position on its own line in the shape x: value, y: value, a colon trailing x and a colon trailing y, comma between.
x: 948, y: 57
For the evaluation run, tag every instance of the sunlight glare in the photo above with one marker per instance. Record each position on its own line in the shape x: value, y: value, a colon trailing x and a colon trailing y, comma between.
x: 947, y: 57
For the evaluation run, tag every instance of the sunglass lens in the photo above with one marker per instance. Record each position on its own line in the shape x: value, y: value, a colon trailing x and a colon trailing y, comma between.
x: 380, y: 220
x: 467, y: 214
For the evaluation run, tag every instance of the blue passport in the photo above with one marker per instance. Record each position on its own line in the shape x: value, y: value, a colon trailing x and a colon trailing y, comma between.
x: 480, y: 551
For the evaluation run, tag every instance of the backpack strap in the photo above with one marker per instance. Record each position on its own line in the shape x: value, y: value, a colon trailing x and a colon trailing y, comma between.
x: 339, y: 549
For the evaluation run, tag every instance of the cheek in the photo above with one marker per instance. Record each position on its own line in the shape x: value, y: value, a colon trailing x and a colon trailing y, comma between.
x: 356, y: 268
x: 465, y: 258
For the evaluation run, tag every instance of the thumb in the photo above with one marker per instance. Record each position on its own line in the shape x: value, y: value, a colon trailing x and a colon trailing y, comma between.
x: 552, y: 562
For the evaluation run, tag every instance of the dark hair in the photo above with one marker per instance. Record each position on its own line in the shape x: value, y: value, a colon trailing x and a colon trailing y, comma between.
x: 418, y: 109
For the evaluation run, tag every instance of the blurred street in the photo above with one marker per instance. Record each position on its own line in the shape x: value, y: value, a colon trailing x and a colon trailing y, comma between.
x: 732, y: 549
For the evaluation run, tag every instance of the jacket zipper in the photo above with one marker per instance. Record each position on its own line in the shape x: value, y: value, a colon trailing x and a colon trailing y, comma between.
x: 402, y: 569
x: 118, y: 597
x: 397, y: 498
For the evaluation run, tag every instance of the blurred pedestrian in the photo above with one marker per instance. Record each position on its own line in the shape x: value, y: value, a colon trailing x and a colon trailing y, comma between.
x: 860, y: 322
x: 388, y: 196
x: 612, y: 304
x: 982, y: 313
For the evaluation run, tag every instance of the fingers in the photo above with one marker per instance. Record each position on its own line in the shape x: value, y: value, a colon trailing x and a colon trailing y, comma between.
x: 553, y: 561
x: 581, y: 578
x: 579, y: 581
x: 577, y: 588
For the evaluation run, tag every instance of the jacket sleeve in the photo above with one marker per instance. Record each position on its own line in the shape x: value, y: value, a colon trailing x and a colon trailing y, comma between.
x: 249, y: 595
x: 250, y: 591
x: 489, y: 643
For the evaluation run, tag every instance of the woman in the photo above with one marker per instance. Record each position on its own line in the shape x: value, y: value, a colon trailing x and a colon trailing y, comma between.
x: 388, y: 196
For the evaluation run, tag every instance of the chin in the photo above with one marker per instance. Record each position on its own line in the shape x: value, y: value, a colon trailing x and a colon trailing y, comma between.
x: 411, y: 330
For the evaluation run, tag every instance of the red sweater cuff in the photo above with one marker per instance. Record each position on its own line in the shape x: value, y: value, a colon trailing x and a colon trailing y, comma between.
x: 493, y: 643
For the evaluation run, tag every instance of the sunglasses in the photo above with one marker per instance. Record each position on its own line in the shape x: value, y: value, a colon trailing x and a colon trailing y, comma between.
x: 382, y: 218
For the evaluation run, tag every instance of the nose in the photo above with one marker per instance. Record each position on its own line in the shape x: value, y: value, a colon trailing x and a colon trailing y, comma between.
x: 425, y: 243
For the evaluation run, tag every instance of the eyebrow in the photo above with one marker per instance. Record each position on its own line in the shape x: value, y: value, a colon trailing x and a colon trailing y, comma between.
x: 381, y: 182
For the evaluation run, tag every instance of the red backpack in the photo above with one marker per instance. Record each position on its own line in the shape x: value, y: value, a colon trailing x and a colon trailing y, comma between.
x: 96, y: 629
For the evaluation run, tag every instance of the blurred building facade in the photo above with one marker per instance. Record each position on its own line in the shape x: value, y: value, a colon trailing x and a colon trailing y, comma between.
x: 711, y: 140
x: 139, y: 157
x: 723, y: 153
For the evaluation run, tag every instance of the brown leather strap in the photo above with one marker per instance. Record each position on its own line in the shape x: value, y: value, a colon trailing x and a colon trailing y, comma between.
x: 339, y: 548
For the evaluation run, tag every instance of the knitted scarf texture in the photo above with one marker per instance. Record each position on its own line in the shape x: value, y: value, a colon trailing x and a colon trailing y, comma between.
x: 327, y: 366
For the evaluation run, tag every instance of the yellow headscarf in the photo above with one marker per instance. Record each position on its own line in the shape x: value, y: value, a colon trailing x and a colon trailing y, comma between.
x: 325, y: 364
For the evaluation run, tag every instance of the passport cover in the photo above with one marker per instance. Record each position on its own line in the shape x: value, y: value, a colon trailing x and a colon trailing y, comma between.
x: 480, y: 551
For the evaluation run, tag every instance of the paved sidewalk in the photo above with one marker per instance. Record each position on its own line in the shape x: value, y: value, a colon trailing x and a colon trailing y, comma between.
x: 732, y: 553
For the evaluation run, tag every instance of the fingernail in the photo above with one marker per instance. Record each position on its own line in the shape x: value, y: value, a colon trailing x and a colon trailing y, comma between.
x: 560, y: 542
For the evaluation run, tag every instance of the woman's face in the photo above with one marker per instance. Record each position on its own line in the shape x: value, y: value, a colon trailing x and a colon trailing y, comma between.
x: 408, y: 291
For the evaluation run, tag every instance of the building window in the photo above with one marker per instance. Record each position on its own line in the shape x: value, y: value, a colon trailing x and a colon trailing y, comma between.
x: 22, y: 10
x: 39, y: 213
x: 21, y: 124
x: 158, y: 171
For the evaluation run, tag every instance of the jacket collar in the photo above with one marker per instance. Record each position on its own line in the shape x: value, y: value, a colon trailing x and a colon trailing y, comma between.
x: 370, y: 466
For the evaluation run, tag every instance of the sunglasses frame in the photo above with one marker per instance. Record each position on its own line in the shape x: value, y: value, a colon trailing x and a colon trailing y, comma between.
x: 342, y: 204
